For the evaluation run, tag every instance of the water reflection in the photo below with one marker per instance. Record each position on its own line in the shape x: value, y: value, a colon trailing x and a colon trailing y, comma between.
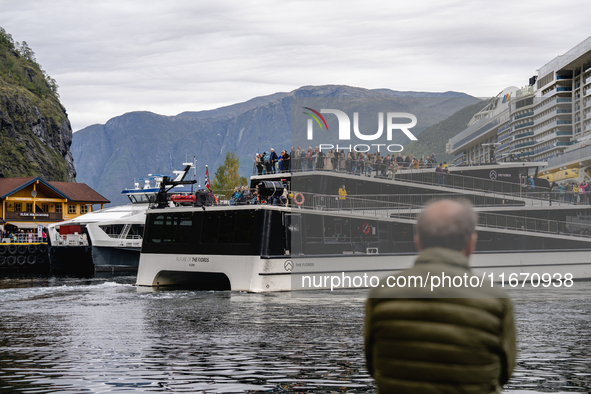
x: 554, y: 332
x: 105, y: 335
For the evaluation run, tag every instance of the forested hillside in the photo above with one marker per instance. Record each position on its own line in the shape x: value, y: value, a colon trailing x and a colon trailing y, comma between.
x: 35, y: 133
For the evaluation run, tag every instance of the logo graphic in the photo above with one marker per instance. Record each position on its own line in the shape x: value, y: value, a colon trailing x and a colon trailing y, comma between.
x: 316, y: 119
x: 493, y: 175
x: 345, y: 124
x: 288, y: 265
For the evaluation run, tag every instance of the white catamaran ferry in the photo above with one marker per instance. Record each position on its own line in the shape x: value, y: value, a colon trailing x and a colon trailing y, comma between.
x: 266, y: 247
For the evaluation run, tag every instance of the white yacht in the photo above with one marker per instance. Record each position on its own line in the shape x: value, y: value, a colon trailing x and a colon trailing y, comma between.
x: 109, y: 239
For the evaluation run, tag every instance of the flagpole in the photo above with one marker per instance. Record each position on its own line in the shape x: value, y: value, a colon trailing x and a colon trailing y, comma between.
x: 207, y: 180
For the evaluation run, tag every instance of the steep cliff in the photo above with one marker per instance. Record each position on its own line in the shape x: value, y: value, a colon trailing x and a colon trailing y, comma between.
x: 35, y: 133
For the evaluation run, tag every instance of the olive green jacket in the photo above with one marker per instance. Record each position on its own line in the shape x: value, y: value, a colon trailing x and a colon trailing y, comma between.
x: 449, y: 340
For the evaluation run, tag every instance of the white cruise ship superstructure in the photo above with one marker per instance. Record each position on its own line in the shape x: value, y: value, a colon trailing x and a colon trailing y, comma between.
x: 541, y: 121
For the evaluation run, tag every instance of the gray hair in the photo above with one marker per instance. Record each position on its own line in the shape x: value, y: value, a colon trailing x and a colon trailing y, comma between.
x: 446, y: 224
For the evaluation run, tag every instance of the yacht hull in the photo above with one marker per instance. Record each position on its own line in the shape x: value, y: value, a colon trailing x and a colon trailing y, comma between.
x: 110, y: 259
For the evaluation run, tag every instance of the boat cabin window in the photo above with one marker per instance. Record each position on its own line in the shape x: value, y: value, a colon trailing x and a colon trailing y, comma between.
x: 227, y: 227
x: 171, y: 228
x: 216, y: 227
x: 112, y: 229
x: 141, y: 198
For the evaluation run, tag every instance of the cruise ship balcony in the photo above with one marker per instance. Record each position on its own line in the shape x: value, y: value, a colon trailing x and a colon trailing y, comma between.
x: 503, y: 146
x: 553, y: 125
x: 522, y: 145
x: 560, y: 89
x: 521, y: 126
x: 502, y: 139
x: 522, y: 135
x: 559, y: 146
x: 561, y: 102
x: 559, y: 114
x: 528, y: 114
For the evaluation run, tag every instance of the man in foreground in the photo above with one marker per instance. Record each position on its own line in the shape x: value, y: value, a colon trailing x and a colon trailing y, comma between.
x: 451, y: 339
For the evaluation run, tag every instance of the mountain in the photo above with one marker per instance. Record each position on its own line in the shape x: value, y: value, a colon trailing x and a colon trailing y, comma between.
x: 35, y: 133
x: 434, y: 138
x: 234, y: 109
x: 112, y: 156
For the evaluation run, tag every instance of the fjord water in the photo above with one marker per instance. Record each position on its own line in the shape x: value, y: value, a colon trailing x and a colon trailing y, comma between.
x: 105, y: 335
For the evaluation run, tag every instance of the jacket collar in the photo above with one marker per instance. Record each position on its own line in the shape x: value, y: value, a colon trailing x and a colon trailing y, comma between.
x: 442, y: 255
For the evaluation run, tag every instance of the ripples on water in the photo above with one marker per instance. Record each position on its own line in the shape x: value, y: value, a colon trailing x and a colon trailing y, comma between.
x: 106, y: 335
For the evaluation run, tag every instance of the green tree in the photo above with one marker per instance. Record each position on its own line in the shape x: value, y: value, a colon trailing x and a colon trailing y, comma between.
x: 26, y: 52
x: 226, y: 176
x: 19, y: 67
x: 6, y: 40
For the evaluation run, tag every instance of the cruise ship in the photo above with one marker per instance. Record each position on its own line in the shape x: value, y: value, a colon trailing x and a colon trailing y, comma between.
x: 273, y: 247
x: 548, y: 119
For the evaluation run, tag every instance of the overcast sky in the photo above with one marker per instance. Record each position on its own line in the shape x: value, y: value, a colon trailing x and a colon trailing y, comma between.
x: 113, y: 57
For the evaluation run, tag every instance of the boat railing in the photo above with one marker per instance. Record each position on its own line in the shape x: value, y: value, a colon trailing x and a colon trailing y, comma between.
x: 73, y: 240
x: 26, y: 238
x: 475, y: 184
x: 428, y: 176
x: 477, y: 198
x: 409, y: 206
x: 341, y: 165
x: 415, y: 201
x: 129, y: 236
x: 520, y: 223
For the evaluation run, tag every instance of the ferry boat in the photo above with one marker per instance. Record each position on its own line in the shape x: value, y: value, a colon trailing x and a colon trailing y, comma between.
x: 109, y: 239
x: 257, y: 248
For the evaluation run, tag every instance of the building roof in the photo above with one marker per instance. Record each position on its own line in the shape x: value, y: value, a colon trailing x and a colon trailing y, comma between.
x: 9, y: 186
x: 79, y: 192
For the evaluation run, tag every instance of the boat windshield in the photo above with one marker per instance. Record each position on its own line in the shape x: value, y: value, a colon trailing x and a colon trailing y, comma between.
x: 142, y: 198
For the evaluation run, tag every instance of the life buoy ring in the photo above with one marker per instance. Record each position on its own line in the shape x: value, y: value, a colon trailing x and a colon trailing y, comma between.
x: 299, y: 198
x: 366, y: 228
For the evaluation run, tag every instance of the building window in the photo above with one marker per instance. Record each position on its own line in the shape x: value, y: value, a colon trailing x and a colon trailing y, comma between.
x: 83, y: 209
x: 45, y: 207
x: 58, y: 208
x: 29, y: 207
x: 18, y: 207
x: 71, y: 208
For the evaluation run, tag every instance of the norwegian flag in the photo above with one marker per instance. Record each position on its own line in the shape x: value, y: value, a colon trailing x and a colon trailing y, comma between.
x: 207, y: 179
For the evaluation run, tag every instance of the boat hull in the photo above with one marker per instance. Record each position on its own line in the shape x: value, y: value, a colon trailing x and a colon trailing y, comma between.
x: 110, y: 259
x: 71, y: 260
x: 258, y: 274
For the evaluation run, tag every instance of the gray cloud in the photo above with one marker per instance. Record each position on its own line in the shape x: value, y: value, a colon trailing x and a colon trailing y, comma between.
x: 112, y: 57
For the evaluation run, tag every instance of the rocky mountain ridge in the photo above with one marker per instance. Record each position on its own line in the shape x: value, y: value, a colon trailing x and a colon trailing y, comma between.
x: 113, y: 156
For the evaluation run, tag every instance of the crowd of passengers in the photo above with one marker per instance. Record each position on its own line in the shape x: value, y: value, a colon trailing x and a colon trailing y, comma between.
x: 572, y: 192
x: 360, y: 163
x: 245, y: 196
